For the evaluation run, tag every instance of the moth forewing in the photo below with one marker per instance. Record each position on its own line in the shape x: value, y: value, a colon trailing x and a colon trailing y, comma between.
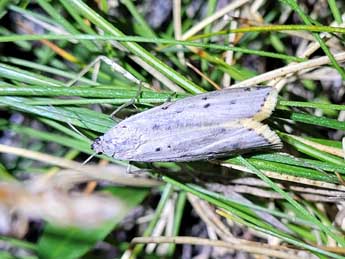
x: 200, y: 127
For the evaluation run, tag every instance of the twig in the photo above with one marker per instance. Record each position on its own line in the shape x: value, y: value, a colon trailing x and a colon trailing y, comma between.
x: 178, y: 27
x: 199, y: 26
x: 289, y: 69
x: 196, y: 70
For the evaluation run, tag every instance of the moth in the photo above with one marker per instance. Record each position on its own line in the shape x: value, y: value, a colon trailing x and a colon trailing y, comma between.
x: 205, y: 126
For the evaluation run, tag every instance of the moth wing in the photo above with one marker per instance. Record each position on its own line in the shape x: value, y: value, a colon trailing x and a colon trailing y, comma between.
x: 189, y: 144
x: 210, y: 108
x: 203, y: 126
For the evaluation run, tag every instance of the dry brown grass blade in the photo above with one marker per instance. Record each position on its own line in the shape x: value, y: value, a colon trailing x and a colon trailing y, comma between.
x: 250, y: 247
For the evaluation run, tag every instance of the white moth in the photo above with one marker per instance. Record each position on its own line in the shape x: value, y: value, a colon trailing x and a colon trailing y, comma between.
x: 204, y: 126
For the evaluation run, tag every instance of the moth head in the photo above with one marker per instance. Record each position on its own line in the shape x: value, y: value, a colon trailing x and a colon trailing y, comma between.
x: 97, y: 146
x: 118, y: 143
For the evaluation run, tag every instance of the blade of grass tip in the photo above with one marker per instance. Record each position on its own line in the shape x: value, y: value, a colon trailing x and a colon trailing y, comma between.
x: 294, y: 203
x: 164, y: 198
x: 308, y: 21
x: 137, y: 49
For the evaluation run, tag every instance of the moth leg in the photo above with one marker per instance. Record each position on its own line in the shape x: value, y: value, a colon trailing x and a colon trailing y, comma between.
x: 129, y: 166
x: 114, y: 66
x: 87, y: 68
x: 130, y: 102
x: 168, y: 100
x: 135, y: 172
x: 172, y: 95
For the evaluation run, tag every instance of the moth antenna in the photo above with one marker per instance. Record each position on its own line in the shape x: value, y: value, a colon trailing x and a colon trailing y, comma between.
x: 77, y: 131
x: 72, y: 127
x: 84, y: 71
x: 88, y: 159
x: 81, y: 134
x: 138, y: 171
x: 113, y: 65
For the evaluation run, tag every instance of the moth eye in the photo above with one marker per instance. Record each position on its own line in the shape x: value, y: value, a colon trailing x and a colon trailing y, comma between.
x: 93, y: 145
x: 99, y: 153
